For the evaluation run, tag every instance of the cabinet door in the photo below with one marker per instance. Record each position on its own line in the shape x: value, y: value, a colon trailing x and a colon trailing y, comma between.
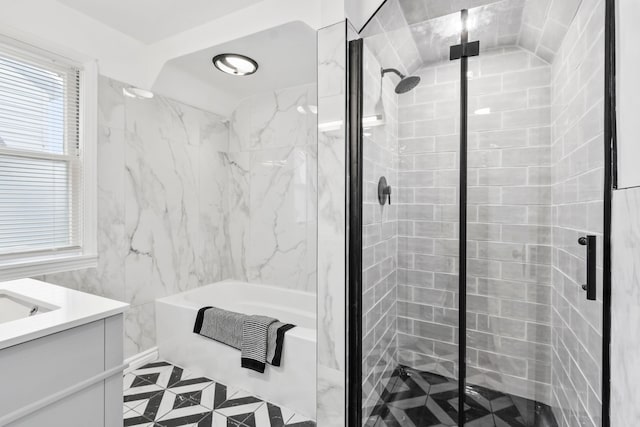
x: 83, y: 409
x: 43, y: 367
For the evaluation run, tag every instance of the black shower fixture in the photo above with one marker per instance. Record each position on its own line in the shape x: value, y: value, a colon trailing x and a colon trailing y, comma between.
x: 406, y: 82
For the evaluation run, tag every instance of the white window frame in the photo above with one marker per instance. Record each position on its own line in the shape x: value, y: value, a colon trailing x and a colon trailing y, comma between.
x: 35, y: 264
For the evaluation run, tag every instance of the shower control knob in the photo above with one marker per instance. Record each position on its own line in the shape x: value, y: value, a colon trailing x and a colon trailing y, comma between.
x: 582, y: 241
x: 384, y: 191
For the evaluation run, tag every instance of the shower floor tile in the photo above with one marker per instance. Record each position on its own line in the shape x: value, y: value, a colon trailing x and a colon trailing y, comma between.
x: 161, y: 394
x: 415, y: 398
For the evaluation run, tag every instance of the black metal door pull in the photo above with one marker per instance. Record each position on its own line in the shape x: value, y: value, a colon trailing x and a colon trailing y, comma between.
x: 590, y: 242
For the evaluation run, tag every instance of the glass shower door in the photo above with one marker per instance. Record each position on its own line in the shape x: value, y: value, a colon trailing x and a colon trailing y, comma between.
x: 535, y: 225
x: 483, y: 214
x: 410, y: 298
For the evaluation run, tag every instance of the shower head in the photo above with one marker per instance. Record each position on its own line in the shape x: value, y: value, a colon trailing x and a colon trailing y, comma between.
x: 406, y: 83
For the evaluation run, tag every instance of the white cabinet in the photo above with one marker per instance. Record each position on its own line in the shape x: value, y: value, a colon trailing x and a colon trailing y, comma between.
x: 68, y: 378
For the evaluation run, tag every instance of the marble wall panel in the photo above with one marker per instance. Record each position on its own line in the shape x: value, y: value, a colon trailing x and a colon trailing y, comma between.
x: 332, y: 55
x: 182, y: 203
x: 625, y: 316
x: 272, y: 163
x: 162, y: 206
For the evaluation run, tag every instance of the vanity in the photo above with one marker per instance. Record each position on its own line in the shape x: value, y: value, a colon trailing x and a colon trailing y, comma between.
x: 61, y: 356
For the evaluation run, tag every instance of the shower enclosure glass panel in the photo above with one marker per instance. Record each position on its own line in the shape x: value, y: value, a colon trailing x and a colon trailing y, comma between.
x: 410, y: 246
x: 536, y: 187
x: 510, y: 231
x: 503, y: 309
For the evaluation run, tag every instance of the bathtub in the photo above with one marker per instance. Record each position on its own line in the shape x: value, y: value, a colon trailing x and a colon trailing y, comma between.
x: 292, y: 385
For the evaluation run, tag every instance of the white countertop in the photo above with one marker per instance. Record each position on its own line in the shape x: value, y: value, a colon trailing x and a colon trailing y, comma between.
x: 75, y: 309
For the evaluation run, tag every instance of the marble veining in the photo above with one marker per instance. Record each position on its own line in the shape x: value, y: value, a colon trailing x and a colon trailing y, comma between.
x: 331, y: 225
x: 182, y: 200
x: 162, y: 206
x: 625, y: 316
x: 272, y: 175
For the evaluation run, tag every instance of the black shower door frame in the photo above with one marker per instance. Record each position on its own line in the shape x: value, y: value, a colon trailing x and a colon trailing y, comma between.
x: 354, y: 173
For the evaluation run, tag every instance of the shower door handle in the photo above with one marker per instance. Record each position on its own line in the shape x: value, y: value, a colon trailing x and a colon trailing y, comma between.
x: 590, y: 242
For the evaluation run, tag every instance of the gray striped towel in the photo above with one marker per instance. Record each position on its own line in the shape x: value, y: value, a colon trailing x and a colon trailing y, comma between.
x: 255, y: 333
x: 221, y: 325
x: 227, y: 327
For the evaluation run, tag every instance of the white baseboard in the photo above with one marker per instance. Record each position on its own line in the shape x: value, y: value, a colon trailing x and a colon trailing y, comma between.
x: 141, y: 359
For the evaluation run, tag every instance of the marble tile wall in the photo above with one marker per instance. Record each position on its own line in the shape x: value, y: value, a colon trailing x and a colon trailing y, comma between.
x: 380, y: 234
x: 162, y: 206
x: 577, y: 150
x: 332, y: 220
x: 182, y: 200
x: 509, y: 222
x: 625, y: 238
x: 625, y: 345
x: 273, y: 188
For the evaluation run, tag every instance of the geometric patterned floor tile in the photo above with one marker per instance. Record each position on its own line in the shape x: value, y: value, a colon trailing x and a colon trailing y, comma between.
x: 300, y: 421
x: 132, y: 418
x: 161, y: 394
x: 425, y: 399
x: 214, y: 395
x: 270, y: 415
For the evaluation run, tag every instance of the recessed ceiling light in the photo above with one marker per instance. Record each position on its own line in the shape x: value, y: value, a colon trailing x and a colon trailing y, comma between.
x: 136, y: 92
x: 235, y: 64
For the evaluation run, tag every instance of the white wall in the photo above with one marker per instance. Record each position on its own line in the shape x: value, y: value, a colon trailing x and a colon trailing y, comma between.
x: 628, y: 91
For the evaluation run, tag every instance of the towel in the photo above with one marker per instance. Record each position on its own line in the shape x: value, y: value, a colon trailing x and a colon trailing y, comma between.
x: 220, y: 325
x: 255, y: 334
x: 275, y: 343
x: 227, y: 327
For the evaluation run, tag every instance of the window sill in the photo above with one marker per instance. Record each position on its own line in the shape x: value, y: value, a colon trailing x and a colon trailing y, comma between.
x: 12, y: 270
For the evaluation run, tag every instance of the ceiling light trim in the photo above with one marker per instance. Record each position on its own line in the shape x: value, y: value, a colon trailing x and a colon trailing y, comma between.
x: 235, y: 64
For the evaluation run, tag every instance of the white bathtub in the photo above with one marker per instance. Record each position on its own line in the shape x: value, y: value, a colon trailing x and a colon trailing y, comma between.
x: 293, y: 384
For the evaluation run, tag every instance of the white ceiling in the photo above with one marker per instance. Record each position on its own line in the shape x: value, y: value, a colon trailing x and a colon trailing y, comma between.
x: 152, y: 20
x: 286, y: 57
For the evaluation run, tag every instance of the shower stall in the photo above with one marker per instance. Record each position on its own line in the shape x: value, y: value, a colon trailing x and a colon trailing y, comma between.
x: 479, y: 190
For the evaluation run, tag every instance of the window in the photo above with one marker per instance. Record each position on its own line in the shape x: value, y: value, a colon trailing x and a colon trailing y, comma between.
x: 46, y: 165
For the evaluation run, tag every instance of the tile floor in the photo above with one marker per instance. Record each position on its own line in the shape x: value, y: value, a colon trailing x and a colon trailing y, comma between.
x: 161, y: 394
x: 423, y: 399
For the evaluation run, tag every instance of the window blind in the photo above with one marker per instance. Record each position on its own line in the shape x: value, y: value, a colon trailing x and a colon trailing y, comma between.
x: 40, y: 155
